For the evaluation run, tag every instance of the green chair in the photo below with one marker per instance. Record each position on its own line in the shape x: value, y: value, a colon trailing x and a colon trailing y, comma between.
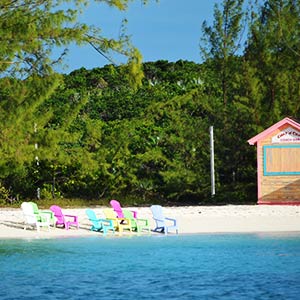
x: 43, y: 215
x: 136, y: 224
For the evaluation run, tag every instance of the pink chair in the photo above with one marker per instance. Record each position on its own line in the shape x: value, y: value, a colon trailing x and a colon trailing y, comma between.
x: 65, y: 220
x: 118, y: 209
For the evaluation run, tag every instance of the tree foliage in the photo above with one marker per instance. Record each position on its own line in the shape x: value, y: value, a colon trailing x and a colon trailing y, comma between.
x: 29, y: 32
x: 273, y: 53
x: 221, y: 42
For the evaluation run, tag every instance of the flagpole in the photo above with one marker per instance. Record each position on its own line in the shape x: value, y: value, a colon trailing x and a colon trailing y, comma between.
x: 212, y: 161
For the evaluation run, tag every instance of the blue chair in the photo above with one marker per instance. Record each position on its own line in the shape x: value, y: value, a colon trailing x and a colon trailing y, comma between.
x: 163, y: 224
x: 99, y: 224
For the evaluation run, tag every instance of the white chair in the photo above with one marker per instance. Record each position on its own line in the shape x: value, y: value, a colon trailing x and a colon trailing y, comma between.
x: 31, y: 219
x: 163, y: 224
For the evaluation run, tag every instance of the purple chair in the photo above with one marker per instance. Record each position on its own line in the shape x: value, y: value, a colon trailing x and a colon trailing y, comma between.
x: 118, y: 209
x: 65, y: 220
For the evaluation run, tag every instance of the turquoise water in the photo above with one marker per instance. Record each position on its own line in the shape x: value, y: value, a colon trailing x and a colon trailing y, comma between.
x: 152, y: 267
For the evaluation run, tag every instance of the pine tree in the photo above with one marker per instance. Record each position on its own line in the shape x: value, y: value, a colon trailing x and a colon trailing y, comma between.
x: 221, y: 43
x: 274, y: 52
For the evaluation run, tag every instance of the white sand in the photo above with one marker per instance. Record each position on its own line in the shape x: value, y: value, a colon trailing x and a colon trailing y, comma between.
x: 191, y: 219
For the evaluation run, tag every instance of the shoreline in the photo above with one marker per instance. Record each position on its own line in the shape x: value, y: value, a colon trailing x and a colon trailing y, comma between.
x: 231, y: 219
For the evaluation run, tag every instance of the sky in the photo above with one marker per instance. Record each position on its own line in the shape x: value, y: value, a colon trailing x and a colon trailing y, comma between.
x: 164, y: 30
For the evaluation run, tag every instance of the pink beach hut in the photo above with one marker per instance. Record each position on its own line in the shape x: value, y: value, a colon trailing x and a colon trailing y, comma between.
x: 278, y: 163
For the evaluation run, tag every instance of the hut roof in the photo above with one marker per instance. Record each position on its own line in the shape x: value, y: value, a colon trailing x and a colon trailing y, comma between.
x: 288, y: 120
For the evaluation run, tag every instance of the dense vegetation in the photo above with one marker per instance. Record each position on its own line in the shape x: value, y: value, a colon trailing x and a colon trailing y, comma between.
x: 99, y: 134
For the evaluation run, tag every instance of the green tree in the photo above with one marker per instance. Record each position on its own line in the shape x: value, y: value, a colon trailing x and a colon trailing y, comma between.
x: 19, y: 102
x: 273, y: 52
x: 221, y: 42
x: 29, y: 32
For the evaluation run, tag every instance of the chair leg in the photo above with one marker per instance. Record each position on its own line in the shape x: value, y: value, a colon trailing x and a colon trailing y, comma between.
x: 104, y: 230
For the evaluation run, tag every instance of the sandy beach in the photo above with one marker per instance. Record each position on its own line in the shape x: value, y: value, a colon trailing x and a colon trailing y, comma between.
x: 191, y: 220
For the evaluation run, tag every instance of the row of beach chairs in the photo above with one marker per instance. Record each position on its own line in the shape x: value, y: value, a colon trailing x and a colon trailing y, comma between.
x: 116, y: 219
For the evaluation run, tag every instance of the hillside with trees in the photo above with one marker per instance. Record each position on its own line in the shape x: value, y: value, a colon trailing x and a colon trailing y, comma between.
x: 140, y: 131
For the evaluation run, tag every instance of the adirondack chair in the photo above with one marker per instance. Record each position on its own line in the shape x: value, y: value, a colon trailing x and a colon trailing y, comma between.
x: 40, y: 214
x: 64, y: 220
x: 163, y: 224
x: 136, y: 224
x: 118, y: 209
x: 119, y: 223
x: 99, y: 224
x: 32, y: 219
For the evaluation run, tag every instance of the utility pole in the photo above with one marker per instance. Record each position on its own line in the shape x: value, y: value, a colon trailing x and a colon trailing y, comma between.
x: 212, y: 161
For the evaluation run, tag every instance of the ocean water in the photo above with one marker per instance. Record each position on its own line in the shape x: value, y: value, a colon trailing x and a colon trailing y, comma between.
x: 239, y: 266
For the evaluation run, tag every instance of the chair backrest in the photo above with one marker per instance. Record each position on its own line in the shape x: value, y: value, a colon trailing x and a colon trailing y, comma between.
x: 109, y: 213
x: 157, y: 212
x: 58, y: 213
x: 35, y: 207
x: 92, y: 216
x: 158, y: 215
x: 128, y: 214
x: 28, y: 212
x: 117, y: 208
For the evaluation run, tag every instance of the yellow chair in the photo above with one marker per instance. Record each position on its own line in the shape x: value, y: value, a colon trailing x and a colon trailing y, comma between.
x: 119, y: 223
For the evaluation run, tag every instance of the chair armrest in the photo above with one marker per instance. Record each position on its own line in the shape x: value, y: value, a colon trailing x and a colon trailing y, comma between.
x: 46, y: 218
x: 171, y: 219
x: 145, y: 221
x: 51, y: 213
x: 75, y: 218
x: 113, y: 220
x: 159, y: 220
x: 111, y: 223
x: 42, y: 215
